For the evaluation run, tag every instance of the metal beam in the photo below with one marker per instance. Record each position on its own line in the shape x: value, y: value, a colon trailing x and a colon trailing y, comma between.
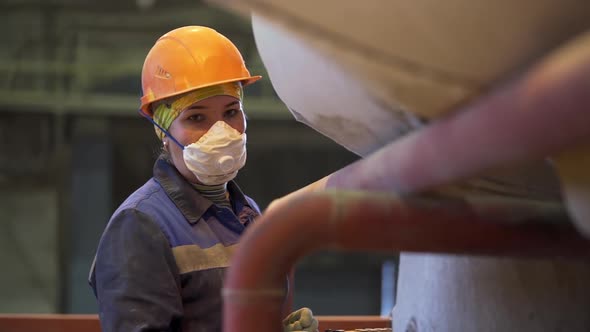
x: 68, y: 69
x: 116, y: 105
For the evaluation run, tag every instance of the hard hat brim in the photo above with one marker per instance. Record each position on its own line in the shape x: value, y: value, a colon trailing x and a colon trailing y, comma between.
x: 145, y: 103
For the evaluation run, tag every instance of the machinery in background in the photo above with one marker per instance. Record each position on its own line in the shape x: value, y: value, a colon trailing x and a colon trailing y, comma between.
x: 479, y: 106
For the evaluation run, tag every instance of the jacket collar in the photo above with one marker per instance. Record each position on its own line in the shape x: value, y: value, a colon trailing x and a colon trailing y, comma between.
x: 186, y: 198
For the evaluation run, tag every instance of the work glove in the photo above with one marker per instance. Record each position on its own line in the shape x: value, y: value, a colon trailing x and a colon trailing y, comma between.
x: 299, y: 321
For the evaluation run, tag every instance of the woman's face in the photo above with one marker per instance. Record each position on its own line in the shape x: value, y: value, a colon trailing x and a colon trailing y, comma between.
x: 194, y: 121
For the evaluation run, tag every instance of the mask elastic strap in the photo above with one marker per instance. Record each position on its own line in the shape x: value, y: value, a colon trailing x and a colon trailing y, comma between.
x: 160, y: 127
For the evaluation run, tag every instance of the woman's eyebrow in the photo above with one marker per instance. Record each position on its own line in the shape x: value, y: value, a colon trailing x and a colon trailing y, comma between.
x: 200, y: 107
x: 196, y: 107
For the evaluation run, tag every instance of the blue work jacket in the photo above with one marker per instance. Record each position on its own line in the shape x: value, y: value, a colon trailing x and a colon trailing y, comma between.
x: 161, y: 260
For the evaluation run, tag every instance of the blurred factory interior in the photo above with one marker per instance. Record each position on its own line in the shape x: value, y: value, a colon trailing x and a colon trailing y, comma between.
x: 73, y: 147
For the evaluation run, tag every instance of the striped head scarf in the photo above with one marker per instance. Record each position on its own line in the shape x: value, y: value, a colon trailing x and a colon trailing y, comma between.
x: 167, y: 110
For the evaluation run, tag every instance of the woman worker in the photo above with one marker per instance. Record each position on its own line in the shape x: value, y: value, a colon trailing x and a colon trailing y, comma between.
x: 160, y: 262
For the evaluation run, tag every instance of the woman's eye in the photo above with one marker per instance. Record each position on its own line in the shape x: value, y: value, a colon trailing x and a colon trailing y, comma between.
x: 231, y: 113
x: 196, y: 117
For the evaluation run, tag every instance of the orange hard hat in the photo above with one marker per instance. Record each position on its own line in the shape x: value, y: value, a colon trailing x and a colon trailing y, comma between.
x: 189, y: 58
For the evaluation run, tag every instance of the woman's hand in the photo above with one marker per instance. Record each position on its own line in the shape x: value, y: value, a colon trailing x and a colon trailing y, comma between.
x: 300, y: 320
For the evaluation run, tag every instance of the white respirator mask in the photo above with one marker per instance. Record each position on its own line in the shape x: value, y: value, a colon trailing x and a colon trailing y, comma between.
x: 218, y: 155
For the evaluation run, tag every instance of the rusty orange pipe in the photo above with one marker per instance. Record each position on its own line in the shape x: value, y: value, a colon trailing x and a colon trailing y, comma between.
x: 49, y: 323
x: 253, y: 290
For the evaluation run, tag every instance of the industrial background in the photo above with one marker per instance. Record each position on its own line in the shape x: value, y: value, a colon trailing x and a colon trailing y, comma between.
x: 72, y: 147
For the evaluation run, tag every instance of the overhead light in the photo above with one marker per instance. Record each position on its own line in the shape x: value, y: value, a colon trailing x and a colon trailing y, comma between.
x: 145, y: 4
